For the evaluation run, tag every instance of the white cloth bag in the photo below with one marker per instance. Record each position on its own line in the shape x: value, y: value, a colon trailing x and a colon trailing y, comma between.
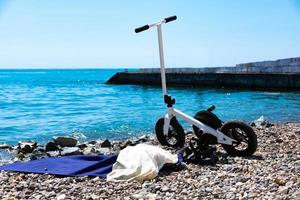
x: 140, y: 162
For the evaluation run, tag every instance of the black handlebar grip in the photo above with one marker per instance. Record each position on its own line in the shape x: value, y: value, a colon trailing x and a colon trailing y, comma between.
x: 211, y: 108
x: 142, y: 28
x: 168, y: 19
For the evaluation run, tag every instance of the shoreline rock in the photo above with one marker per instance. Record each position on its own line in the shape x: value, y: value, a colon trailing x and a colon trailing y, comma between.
x: 5, y: 146
x: 27, y: 146
x: 261, y: 122
x: 51, y: 146
x: 66, y: 145
x: 65, y: 141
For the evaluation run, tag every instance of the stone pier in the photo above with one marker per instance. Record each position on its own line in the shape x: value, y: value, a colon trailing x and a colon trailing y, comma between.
x: 278, y: 74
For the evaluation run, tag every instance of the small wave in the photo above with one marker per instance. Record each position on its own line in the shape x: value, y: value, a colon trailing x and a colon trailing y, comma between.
x: 79, y: 136
x: 6, y: 156
x: 272, y: 93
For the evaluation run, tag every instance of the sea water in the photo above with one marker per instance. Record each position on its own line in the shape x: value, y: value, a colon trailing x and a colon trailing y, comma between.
x: 41, y: 103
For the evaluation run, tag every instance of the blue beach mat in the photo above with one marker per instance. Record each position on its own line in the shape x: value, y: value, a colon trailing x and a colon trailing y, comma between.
x: 78, y: 165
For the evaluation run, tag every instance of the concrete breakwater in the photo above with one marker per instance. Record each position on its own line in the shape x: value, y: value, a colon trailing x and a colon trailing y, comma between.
x: 249, y: 81
x: 279, y: 74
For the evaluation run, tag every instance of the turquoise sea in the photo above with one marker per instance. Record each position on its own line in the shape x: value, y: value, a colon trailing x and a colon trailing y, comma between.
x: 38, y: 104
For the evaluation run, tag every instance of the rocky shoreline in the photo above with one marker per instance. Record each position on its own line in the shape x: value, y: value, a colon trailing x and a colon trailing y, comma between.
x: 65, y: 146
x: 272, y: 173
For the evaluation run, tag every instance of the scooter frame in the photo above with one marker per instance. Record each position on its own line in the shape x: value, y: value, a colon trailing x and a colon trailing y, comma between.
x: 171, y: 111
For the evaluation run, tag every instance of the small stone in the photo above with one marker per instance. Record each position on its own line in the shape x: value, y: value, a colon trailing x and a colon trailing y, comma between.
x: 230, y: 195
x: 82, y: 146
x: 106, y: 143
x: 137, y: 196
x: 61, y: 197
x: 102, y: 151
x: 157, y: 187
x: 283, y: 189
x: 94, y: 197
x: 204, y: 181
x: 151, y: 196
x: 280, y: 181
x: 279, y: 140
x: 184, y: 191
x: 269, y: 125
x: 116, y: 147
x: 187, y: 175
x: 146, y: 184
x: 53, y: 153
x: 125, y: 144
x: 66, y: 151
x: 27, y: 146
x: 140, y: 195
x: 65, y: 141
x: 37, y: 155
x: 289, y: 183
x: 238, y: 184
x: 89, y: 151
x: 96, y: 178
x: 40, y: 149
x: 51, y: 146
x: 165, y: 189
x: 93, y: 142
x: 143, y: 138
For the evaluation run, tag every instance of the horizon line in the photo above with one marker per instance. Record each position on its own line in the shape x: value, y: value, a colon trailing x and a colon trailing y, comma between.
x: 20, y: 68
x: 143, y: 67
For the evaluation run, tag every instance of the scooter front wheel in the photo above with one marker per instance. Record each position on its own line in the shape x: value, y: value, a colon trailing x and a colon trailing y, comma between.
x: 175, y: 137
x: 246, y: 139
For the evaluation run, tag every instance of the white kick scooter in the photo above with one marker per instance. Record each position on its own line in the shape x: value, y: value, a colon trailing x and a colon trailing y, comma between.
x: 237, y: 138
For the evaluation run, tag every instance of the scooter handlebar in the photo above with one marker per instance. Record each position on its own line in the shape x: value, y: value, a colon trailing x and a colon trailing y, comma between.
x: 211, y: 108
x: 146, y: 27
x: 142, y: 28
x: 172, y: 18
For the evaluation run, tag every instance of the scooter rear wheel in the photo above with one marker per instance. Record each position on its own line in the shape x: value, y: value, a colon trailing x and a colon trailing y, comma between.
x: 175, y: 137
x: 244, y: 135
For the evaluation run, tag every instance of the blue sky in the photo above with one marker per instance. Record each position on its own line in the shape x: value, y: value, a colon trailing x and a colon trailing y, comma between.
x: 92, y: 34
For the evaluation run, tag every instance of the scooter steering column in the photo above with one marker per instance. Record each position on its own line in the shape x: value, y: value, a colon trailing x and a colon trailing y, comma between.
x: 162, y: 61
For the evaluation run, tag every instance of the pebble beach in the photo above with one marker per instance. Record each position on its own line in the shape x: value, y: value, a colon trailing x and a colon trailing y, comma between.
x: 272, y: 173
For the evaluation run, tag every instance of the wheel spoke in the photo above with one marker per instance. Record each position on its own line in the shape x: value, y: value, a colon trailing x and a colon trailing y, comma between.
x: 242, y: 140
x: 235, y: 144
x: 241, y: 136
x: 171, y: 137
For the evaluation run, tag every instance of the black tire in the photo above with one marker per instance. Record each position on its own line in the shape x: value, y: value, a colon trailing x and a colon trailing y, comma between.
x: 209, y: 119
x: 244, y: 135
x: 176, y: 133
